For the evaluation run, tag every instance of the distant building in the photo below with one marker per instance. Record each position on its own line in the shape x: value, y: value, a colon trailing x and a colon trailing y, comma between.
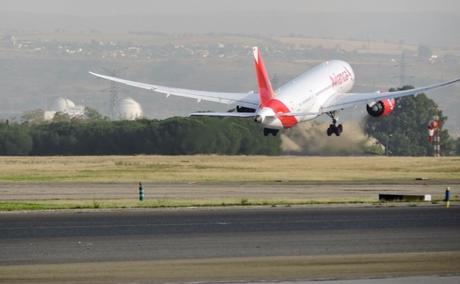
x: 61, y: 104
x: 129, y: 109
x: 66, y: 106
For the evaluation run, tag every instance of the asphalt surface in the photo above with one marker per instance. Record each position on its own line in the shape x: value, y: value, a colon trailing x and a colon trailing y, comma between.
x: 281, y: 190
x: 401, y: 280
x: 60, y: 237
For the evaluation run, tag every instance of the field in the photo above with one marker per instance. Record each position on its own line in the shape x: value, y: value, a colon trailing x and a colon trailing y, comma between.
x: 184, y: 169
x: 110, y: 182
x: 40, y: 183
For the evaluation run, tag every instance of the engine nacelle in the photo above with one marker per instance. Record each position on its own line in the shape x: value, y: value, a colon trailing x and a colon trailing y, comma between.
x: 381, y: 108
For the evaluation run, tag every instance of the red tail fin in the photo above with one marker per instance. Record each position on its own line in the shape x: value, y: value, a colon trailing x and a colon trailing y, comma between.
x: 265, y: 87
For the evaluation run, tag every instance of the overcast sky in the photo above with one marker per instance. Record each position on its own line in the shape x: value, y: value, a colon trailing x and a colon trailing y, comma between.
x: 113, y: 7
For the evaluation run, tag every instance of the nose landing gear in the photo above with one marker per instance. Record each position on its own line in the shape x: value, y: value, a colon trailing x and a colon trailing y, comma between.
x: 334, y: 128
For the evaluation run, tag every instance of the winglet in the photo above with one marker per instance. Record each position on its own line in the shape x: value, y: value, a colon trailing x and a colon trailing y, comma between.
x: 265, y: 87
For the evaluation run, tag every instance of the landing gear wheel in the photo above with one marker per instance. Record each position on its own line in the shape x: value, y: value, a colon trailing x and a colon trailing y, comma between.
x: 334, y: 128
x: 338, y: 130
x: 268, y: 131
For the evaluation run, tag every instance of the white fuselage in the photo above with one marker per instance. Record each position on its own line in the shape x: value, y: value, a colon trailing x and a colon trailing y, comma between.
x: 306, y: 94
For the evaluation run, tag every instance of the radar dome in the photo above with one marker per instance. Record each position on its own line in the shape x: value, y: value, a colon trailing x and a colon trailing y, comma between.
x: 129, y: 109
x: 62, y: 105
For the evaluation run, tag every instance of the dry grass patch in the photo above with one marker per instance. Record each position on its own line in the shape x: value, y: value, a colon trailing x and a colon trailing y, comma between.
x: 225, y: 169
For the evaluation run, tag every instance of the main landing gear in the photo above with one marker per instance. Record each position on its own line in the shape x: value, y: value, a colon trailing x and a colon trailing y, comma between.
x: 334, y: 128
x: 268, y: 131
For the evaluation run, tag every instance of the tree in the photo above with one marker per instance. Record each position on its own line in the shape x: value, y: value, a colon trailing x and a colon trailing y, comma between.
x: 173, y: 136
x: 14, y: 140
x: 34, y: 116
x: 458, y: 146
x: 61, y: 117
x: 404, y: 132
x: 92, y: 114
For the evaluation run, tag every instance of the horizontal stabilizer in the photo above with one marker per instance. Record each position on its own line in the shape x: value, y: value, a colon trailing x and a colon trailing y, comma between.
x: 225, y: 114
x: 298, y: 114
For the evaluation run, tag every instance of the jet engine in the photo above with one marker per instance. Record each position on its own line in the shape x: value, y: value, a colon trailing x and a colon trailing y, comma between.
x: 381, y: 108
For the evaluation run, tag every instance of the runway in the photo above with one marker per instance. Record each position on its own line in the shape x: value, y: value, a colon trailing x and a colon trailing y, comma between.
x: 144, y: 235
x: 279, y: 190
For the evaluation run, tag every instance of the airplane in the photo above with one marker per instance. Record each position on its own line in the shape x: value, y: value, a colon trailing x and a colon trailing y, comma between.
x: 322, y: 90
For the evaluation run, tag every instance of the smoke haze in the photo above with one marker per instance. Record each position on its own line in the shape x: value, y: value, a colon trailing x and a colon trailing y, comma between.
x: 309, y: 139
x: 427, y: 22
x: 110, y: 7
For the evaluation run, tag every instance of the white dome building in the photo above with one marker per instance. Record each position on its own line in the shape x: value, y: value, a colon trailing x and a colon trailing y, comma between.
x: 129, y: 109
x: 66, y: 106
x: 62, y: 105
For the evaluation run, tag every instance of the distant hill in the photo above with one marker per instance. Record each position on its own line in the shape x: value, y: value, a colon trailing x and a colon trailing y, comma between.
x: 421, y: 28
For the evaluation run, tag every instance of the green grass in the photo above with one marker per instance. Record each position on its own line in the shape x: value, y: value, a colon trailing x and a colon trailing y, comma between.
x: 184, y: 203
x: 163, y: 203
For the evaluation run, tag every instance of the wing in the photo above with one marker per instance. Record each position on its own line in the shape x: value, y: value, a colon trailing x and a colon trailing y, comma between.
x: 250, y: 99
x: 346, y: 100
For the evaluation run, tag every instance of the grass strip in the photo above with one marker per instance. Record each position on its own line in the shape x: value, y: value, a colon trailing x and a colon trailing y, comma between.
x: 184, y: 203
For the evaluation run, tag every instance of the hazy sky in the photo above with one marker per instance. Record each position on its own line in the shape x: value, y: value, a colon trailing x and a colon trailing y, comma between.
x: 111, y: 7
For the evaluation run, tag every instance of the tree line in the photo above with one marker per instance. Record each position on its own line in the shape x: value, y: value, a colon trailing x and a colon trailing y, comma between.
x: 173, y: 136
x: 403, y: 133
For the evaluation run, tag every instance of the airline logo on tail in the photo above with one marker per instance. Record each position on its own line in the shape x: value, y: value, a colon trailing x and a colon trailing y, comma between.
x: 265, y: 87
x: 269, y: 105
